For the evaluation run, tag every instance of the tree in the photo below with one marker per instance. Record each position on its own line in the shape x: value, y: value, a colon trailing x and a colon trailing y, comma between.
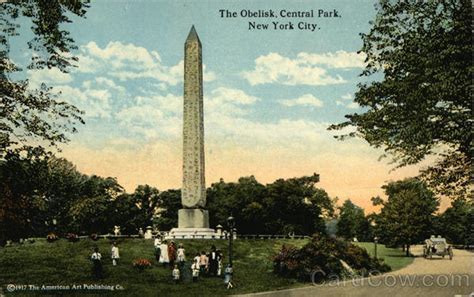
x: 20, y: 199
x: 243, y: 200
x: 167, y: 209
x: 91, y: 212
x: 422, y: 105
x: 353, y: 223
x: 146, y: 198
x: 282, y: 207
x: 30, y: 116
x: 456, y: 222
x: 296, y: 205
x: 407, y: 217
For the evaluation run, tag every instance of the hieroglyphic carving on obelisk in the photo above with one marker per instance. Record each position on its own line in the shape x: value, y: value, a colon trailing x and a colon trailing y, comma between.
x: 194, y: 186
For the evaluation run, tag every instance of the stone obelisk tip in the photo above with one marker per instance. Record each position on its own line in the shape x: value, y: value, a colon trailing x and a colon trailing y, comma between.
x: 192, y: 36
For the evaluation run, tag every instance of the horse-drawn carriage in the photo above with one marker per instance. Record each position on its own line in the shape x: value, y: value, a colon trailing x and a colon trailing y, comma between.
x: 437, y: 246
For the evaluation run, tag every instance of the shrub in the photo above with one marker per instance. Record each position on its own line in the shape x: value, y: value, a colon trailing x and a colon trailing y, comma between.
x: 324, y: 254
x: 72, y: 237
x: 51, y: 237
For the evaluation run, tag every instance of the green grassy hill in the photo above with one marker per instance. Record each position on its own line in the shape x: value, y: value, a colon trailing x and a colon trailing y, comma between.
x: 66, y: 263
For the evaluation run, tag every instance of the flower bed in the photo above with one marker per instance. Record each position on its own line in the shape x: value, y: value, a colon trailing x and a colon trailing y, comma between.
x: 141, y: 264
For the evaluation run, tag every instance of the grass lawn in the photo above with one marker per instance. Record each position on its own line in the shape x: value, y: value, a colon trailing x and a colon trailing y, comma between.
x: 395, y: 258
x: 66, y: 263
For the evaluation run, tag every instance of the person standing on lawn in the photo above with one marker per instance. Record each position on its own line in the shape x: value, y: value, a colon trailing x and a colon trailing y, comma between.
x: 213, y: 261
x: 96, y: 259
x: 203, y: 263
x: 164, y: 258
x: 172, y: 253
x: 220, y: 257
x: 195, y: 269
x: 181, y: 256
x: 115, y: 254
x: 175, y: 274
x: 157, y: 244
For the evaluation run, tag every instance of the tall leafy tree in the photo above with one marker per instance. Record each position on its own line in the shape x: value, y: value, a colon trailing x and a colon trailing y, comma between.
x: 243, y: 200
x: 32, y: 119
x: 407, y: 217
x: 166, y: 216
x: 421, y: 106
x: 296, y: 205
x: 146, y: 198
x: 353, y: 223
x: 91, y: 213
x: 456, y: 223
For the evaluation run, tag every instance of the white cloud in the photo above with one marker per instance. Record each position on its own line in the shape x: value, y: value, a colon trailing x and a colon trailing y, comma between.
x: 222, y: 102
x: 347, y: 96
x: 95, y: 103
x: 103, y: 82
x: 344, y: 101
x: 222, y: 95
x: 339, y: 59
x: 305, y: 100
x: 128, y: 61
x: 274, y: 68
x: 352, y: 105
x: 161, y: 115
x: 48, y: 76
x: 305, y: 69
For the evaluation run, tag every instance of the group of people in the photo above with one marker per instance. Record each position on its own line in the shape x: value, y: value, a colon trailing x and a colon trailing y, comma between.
x: 203, y: 264
x: 96, y: 259
x: 168, y: 253
x: 174, y: 256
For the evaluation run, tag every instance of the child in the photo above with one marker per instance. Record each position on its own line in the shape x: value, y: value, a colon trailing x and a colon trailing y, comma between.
x: 115, y: 254
x: 228, y: 276
x: 181, y: 256
x: 195, y: 270
x: 175, y: 274
x: 96, y: 260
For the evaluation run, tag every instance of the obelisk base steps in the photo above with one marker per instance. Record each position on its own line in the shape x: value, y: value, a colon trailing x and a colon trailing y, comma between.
x: 193, y: 223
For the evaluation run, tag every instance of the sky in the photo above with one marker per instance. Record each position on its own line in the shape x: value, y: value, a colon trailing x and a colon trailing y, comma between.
x: 269, y: 94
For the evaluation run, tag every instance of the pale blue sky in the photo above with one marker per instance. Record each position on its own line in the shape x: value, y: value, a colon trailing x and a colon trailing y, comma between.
x: 269, y: 94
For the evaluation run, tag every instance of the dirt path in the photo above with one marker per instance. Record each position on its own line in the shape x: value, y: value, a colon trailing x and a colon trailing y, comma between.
x: 424, y: 277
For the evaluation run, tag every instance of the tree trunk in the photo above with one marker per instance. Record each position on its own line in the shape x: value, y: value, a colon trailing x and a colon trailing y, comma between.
x: 403, y: 247
x: 408, y: 250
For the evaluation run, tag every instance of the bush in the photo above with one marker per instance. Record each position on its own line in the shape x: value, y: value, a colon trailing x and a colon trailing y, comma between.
x: 72, y: 237
x: 51, y: 237
x: 325, y: 254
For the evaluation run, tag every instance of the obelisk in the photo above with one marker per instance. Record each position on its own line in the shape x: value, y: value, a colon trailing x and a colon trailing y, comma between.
x: 193, y: 218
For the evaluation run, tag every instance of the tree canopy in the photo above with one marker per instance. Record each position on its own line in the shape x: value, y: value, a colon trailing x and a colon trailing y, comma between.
x: 293, y: 205
x: 422, y: 105
x: 32, y: 119
x: 353, y: 223
x: 407, y: 217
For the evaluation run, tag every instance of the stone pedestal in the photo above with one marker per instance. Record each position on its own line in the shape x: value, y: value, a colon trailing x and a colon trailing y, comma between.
x: 193, y: 218
x: 193, y: 223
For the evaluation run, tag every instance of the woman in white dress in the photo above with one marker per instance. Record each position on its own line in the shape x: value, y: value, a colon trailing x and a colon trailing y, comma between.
x: 164, y: 257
